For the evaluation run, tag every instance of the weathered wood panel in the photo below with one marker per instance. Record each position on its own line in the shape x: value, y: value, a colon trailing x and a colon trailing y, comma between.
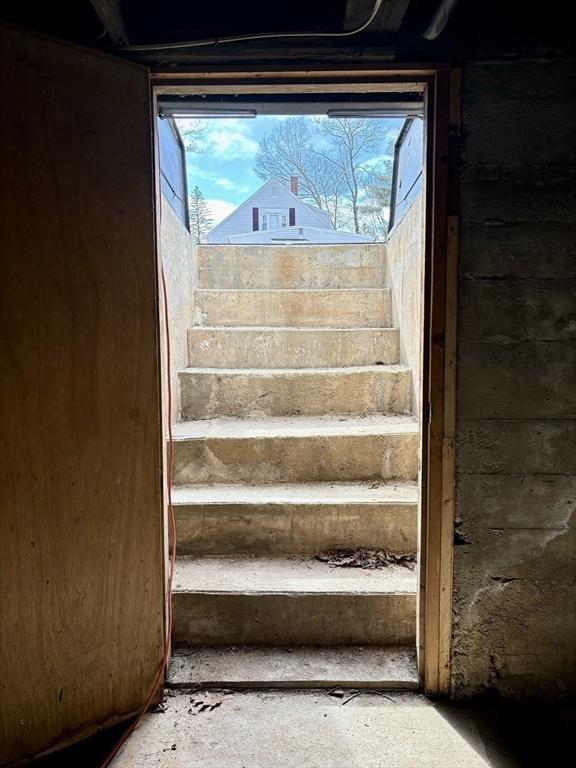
x: 81, y: 557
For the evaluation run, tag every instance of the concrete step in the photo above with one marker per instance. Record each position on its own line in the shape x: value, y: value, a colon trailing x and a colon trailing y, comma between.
x: 304, y: 518
x: 291, y: 601
x: 368, y: 667
x: 296, y: 449
x: 292, y: 266
x: 261, y: 347
x: 348, y: 308
x: 258, y: 392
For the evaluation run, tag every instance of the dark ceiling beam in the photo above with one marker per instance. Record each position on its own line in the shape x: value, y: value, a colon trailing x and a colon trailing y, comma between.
x: 298, y: 55
x: 388, y: 19
x: 440, y: 19
x: 110, y: 15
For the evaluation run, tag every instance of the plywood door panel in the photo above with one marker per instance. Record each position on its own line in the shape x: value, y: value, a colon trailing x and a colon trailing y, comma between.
x: 81, y: 531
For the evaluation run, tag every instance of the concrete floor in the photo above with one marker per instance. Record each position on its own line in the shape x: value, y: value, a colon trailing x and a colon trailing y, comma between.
x: 300, y: 730
x: 312, y: 729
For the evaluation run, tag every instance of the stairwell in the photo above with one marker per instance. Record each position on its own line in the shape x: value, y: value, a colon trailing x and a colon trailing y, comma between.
x: 296, y: 438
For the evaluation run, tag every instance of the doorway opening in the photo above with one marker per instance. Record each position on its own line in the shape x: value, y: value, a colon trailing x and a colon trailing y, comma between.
x: 297, y: 322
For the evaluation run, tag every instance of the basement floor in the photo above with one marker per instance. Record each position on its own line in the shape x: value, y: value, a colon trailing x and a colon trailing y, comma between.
x: 265, y: 729
x: 257, y: 729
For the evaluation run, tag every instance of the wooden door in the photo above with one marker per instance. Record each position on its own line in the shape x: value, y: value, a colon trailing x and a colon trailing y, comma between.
x: 81, y: 518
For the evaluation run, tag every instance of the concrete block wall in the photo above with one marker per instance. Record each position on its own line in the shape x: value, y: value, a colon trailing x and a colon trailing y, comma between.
x: 515, y: 554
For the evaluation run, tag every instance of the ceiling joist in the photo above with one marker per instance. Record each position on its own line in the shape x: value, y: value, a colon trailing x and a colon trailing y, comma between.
x: 388, y: 19
x: 110, y: 15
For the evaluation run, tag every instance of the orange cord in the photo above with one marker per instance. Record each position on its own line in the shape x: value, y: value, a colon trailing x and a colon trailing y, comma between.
x: 168, y: 642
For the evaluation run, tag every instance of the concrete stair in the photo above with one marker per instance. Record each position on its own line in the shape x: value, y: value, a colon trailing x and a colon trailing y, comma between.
x: 304, y: 518
x: 258, y: 347
x: 296, y: 438
x: 291, y: 266
x: 296, y: 449
x: 259, y: 392
x: 320, y: 308
x: 261, y: 600
x: 346, y: 666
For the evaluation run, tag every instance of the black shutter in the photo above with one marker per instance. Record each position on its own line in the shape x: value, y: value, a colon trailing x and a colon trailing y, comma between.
x: 292, y: 219
x: 255, y: 223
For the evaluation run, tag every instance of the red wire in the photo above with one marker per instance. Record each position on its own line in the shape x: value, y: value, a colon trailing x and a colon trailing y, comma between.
x: 170, y: 457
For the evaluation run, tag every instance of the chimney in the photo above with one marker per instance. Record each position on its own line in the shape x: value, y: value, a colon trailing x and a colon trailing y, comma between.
x: 294, y: 185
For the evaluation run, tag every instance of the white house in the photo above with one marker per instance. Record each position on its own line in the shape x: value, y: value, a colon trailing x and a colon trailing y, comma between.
x: 275, y: 214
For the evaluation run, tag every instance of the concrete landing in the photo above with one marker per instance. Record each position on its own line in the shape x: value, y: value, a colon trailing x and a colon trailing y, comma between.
x: 282, y: 267
x: 295, y: 667
x: 296, y: 729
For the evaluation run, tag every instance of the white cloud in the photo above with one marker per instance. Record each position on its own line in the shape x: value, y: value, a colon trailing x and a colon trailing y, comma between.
x: 195, y: 172
x: 225, y: 183
x: 219, y: 209
x: 231, y: 186
x: 378, y: 161
x: 229, y: 139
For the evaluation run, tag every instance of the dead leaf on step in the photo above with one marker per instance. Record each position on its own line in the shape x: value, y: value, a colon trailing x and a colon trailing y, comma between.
x: 366, y: 558
x: 204, y: 702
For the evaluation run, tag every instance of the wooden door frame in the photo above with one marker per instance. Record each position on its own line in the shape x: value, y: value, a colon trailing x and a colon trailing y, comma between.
x: 440, y: 86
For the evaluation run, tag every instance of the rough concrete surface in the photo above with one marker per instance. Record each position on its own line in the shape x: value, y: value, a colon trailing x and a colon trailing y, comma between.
x: 392, y: 668
x: 294, y: 518
x: 303, y: 730
x: 336, y: 308
x: 405, y: 274
x: 252, y: 347
x: 283, y: 601
x: 302, y: 266
x: 280, y: 575
x: 515, y: 568
x: 211, y: 392
x: 177, y: 250
x: 296, y: 450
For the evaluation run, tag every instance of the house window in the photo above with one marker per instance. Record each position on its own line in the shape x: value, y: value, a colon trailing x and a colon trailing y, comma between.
x: 273, y: 218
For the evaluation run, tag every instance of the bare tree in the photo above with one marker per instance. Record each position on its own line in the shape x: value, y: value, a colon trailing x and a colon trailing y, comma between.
x: 373, y: 211
x: 374, y: 208
x: 351, y: 143
x: 200, y: 217
x: 191, y: 131
x: 288, y: 150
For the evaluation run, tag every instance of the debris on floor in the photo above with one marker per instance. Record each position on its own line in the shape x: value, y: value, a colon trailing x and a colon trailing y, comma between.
x: 348, y: 694
x: 366, y: 558
x: 204, y: 702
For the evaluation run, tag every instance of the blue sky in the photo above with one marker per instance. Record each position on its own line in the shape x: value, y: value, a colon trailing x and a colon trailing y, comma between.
x: 223, y: 169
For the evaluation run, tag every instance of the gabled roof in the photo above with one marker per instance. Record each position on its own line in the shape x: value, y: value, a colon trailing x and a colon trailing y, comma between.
x: 317, y: 212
